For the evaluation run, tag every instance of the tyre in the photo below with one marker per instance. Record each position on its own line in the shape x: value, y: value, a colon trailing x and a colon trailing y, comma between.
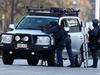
x: 7, y: 58
x: 78, y: 60
x: 32, y: 61
x: 51, y: 59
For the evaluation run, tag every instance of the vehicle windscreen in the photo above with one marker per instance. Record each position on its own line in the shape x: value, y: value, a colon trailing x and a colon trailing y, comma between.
x: 34, y: 22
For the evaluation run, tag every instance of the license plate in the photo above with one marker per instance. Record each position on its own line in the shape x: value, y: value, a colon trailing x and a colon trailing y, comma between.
x: 21, y: 45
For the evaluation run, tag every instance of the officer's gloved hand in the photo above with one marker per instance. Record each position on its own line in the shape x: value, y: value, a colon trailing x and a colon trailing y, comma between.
x: 68, y: 35
x: 43, y: 29
x: 89, y: 32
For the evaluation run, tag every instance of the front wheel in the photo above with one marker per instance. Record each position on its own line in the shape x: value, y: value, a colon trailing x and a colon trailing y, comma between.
x: 32, y: 61
x: 7, y: 58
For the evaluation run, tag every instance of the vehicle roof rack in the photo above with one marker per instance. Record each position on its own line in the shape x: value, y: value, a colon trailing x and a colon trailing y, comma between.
x: 58, y: 12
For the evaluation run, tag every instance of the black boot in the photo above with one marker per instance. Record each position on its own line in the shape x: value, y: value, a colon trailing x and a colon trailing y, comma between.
x: 92, y: 66
x: 59, y: 65
x: 71, y: 65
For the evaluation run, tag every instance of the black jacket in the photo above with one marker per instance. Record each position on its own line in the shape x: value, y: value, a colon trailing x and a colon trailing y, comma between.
x: 93, y: 37
x: 58, y: 34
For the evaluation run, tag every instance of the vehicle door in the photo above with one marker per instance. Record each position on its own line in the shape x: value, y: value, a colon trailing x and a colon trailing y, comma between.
x: 74, y: 31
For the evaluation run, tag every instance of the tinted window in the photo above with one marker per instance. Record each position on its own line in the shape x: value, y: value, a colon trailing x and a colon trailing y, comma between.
x: 34, y: 22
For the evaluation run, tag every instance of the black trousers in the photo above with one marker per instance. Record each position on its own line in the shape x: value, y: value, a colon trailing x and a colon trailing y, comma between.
x: 94, y: 56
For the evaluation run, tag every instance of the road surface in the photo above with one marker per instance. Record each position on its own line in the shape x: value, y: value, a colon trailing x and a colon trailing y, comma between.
x: 20, y: 67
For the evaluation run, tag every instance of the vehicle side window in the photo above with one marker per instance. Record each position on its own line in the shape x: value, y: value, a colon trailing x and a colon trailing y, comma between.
x: 74, y: 29
x: 74, y: 25
x: 64, y: 23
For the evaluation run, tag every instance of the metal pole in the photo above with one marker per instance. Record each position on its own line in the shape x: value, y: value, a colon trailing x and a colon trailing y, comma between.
x: 12, y: 11
x: 85, y: 48
x: 97, y: 9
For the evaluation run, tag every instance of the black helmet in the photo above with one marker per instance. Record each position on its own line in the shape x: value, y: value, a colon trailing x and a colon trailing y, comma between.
x: 53, y: 23
x: 95, y: 22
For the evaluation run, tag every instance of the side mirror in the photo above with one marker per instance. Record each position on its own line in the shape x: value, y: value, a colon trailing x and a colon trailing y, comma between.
x: 11, y: 26
x: 67, y: 29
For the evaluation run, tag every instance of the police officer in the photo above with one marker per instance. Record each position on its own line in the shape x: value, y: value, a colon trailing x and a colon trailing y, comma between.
x: 93, y: 42
x: 58, y: 35
x: 67, y: 42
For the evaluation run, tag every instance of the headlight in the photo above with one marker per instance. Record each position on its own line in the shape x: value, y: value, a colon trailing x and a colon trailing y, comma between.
x: 52, y: 41
x: 6, y: 38
x: 26, y: 38
x: 43, y: 40
x: 17, y: 38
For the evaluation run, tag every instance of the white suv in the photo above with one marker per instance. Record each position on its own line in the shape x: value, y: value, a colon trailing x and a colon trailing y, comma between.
x: 27, y: 41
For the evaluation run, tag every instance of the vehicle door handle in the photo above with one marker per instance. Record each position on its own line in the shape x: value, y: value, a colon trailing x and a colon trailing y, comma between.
x: 81, y: 37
